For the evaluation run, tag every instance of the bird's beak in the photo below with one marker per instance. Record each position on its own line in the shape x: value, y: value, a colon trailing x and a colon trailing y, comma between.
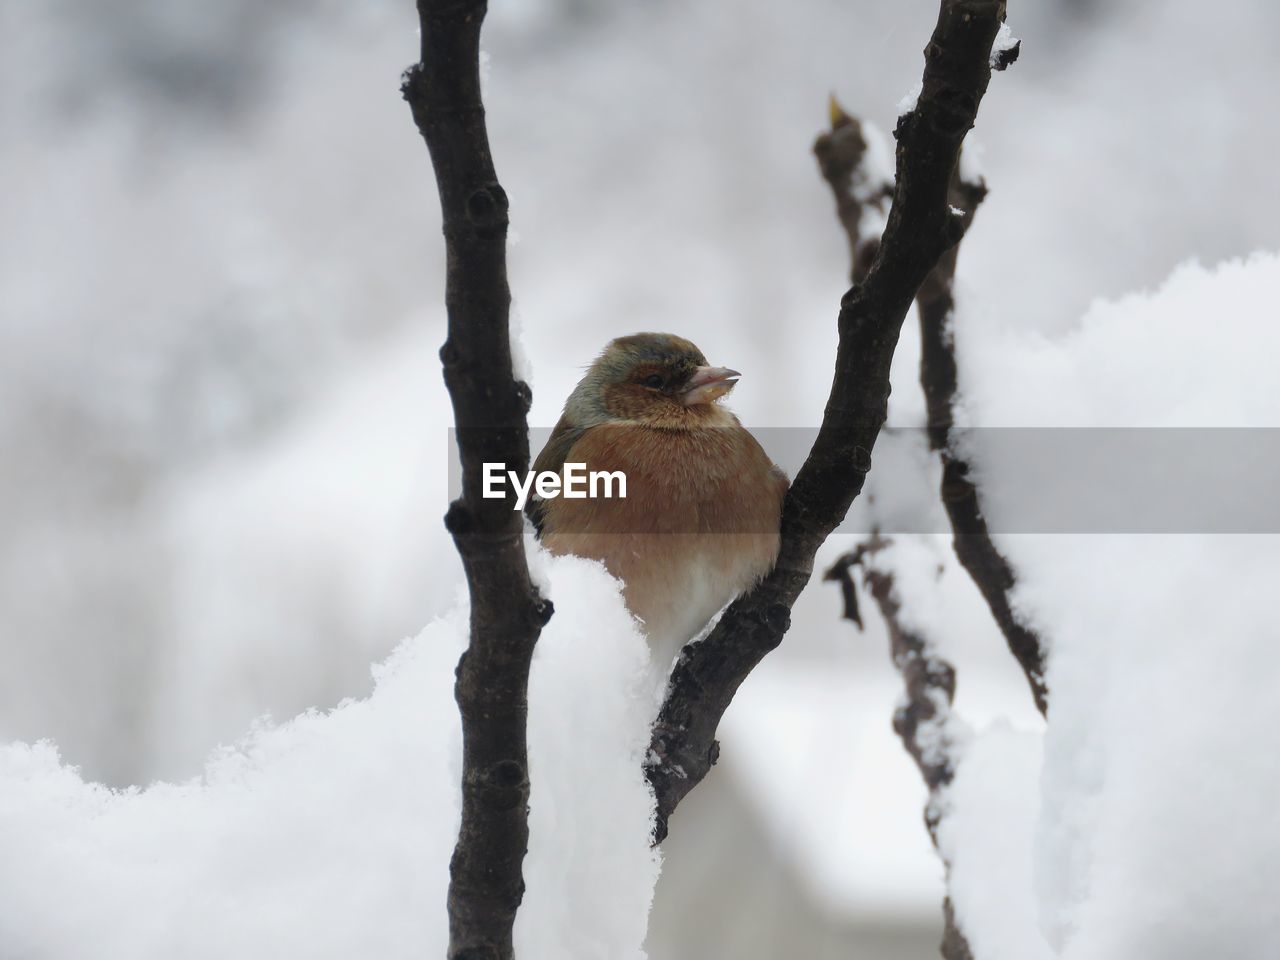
x: 708, y: 384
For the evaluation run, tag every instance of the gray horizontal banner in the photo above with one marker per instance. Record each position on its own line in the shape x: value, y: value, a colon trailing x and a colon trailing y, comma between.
x: 1030, y: 480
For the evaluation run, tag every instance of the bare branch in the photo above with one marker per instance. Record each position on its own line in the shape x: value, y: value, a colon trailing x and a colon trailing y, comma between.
x: 977, y: 552
x: 489, y: 409
x: 920, y: 229
x: 923, y: 720
x: 861, y: 192
x: 843, y: 159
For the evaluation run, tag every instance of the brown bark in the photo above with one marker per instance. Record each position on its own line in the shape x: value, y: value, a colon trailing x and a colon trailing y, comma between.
x: 842, y: 158
x: 920, y: 229
x: 977, y: 552
x: 489, y: 408
x: 929, y: 688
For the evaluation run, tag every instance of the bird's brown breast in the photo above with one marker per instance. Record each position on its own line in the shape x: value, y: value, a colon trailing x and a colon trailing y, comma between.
x: 713, y: 480
x: 699, y: 523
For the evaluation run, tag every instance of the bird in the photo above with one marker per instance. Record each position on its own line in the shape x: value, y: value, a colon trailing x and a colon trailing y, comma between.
x: 699, y: 524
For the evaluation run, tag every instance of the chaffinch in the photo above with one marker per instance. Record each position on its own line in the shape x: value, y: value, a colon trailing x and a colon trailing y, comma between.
x: 699, y: 522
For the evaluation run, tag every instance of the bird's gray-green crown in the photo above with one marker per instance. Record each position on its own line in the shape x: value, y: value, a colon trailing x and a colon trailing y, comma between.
x: 675, y: 360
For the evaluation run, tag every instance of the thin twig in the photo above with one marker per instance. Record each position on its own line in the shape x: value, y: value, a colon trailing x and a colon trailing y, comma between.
x: 977, y: 552
x: 920, y: 229
x: 489, y: 409
x: 923, y: 720
x: 862, y: 193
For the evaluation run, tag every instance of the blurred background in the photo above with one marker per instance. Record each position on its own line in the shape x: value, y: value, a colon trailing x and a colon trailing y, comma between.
x: 223, y: 434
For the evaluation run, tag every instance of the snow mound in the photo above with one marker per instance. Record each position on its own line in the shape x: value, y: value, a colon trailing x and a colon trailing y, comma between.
x: 330, y: 835
x: 1143, y: 822
x: 1198, y: 351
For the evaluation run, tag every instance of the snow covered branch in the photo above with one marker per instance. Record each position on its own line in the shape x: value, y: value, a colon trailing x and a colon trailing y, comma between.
x: 847, y: 158
x: 489, y: 408
x: 920, y: 228
x: 974, y: 547
x: 923, y: 719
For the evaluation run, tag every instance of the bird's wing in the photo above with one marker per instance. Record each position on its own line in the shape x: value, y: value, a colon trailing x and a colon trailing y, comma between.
x: 552, y: 458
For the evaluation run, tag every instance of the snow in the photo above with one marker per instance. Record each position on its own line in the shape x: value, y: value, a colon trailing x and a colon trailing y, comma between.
x: 1158, y: 797
x: 1196, y: 351
x: 878, y: 165
x: 814, y: 739
x: 1004, y: 42
x: 987, y: 835
x: 972, y: 169
x: 1143, y: 822
x: 330, y: 835
x: 801, y: 742
x: 213, y: 511
x: 1140, y: 821
x: 910, y: 98
x: 869, y: 179
x: 1146, y: 820
x: 349, y: 500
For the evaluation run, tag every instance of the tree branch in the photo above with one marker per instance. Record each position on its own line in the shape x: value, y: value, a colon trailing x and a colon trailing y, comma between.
x: 920, y: 229
x: 489, y: 409
x: 977, y: 552
x: 923, y: 720
x: 859, y: 194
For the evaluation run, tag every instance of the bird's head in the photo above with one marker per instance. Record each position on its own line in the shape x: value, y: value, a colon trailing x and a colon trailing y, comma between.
x: 657, y: 379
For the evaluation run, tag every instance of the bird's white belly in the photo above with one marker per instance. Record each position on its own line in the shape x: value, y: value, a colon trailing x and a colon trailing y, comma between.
x: 676, y: 599
x: 673, y: 618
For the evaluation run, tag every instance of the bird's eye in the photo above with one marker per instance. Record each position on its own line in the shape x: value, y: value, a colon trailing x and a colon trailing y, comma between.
x: 652, y: 380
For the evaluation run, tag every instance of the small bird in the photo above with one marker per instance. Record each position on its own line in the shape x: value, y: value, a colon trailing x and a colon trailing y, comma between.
x: 699, y: 523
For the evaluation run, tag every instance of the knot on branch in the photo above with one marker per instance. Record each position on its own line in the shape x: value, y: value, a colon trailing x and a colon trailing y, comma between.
x: 487, y: 206
x: 850, y: 298
x: 524, y: 395
x: 458, y: 520
x: 776, y: 621
x: 661, y: 738
x: 982, y: 10
x: 502, y: 785
x: 956, y: 488
x: 542, y: 611
x: 713, y: 752
x: 861, y: 460
x: 413, y: 82
x: 449, y: 357
x: 956, y: 110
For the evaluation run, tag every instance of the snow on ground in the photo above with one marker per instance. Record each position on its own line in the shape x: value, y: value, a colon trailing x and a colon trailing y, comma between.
x: 330, y: 835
